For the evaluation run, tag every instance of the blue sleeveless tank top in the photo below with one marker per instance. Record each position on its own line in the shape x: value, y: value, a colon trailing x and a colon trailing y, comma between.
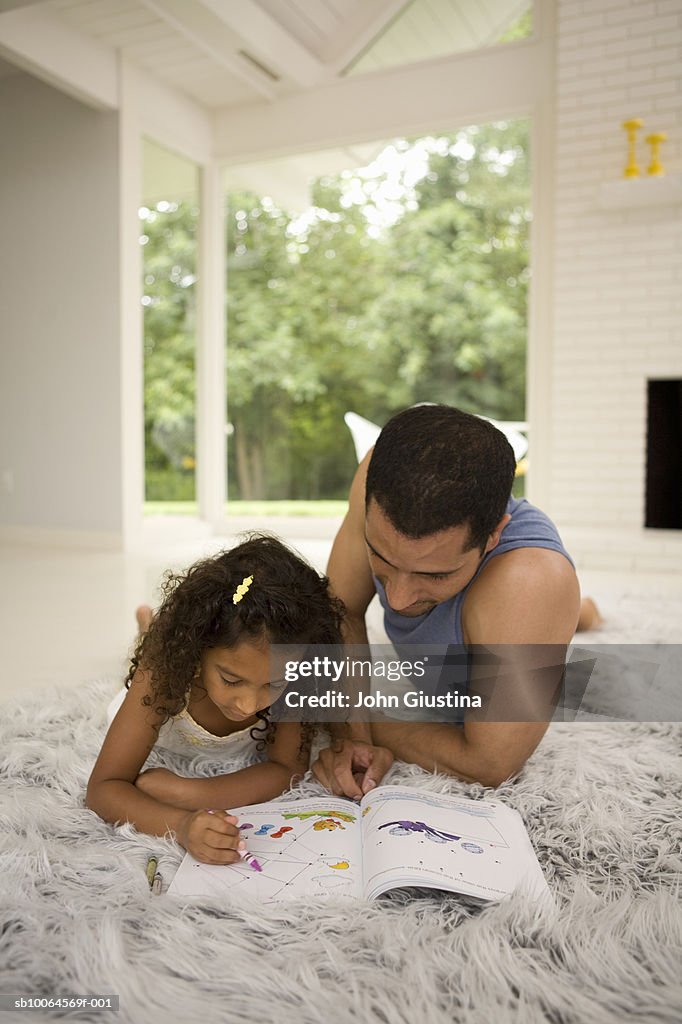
x: 442, y: 625
x: 528, y: 528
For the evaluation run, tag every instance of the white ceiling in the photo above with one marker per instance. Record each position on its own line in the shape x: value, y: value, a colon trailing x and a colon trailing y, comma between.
x: 230, y: 54
x: 225, y: 53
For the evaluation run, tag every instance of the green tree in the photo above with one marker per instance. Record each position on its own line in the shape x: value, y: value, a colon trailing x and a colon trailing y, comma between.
x: 169, y: 267
x: 327, y: 312
x: 451, y: 321
x: 294, y: 361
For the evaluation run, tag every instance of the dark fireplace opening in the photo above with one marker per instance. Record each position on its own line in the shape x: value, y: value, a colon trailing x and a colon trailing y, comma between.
x: 664, y: 455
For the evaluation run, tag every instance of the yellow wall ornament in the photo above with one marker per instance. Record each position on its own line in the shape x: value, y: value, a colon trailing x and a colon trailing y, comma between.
x: 632, y: 127
x: 655, y: 139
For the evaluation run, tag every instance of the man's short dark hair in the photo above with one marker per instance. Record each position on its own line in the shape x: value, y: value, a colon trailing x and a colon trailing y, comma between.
x: 435, y: 467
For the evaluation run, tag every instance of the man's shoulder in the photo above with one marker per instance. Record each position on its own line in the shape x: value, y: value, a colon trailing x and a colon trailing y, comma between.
x: 524, y: 595
x: 521, y: 565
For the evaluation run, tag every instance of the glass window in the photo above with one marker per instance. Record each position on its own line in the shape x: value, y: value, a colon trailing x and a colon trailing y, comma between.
x: 427, y: 29
x: 168, y: 236
x: 378, y: 286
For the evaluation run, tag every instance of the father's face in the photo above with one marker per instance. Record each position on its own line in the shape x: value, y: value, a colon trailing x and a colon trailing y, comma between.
x: 419, y: 574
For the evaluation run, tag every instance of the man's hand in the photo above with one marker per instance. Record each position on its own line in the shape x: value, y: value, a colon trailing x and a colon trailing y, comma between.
x: 352, y: 768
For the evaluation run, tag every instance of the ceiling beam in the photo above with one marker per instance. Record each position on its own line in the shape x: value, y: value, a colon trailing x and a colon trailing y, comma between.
x: 211, y: 35
x: 434, y: 96
x: 168, y: 116
x: 270, y: 40
x: 39, y: 42
x: 358, y: 32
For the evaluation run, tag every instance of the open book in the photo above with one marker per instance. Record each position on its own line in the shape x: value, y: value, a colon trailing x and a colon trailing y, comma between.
x: 395, y: 837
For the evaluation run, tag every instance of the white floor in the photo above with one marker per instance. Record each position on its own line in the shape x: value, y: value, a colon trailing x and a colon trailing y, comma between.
x: 67, y: 616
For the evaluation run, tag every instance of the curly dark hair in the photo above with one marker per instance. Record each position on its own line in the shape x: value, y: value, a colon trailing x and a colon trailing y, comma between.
x: 289, y: 603
x: 435, y: 467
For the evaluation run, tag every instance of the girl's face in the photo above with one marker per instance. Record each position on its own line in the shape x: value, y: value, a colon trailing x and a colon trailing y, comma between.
x: 237, y: 679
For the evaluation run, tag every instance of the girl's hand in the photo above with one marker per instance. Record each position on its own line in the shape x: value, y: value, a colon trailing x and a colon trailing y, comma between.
x: 161, y: 785
x: 212, y: 837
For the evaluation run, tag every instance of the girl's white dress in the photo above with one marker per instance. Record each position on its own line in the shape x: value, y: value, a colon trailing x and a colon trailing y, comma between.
x: 182, y: 735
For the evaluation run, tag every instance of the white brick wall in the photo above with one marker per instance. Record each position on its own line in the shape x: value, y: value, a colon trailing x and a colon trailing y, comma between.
x: 617, y: 274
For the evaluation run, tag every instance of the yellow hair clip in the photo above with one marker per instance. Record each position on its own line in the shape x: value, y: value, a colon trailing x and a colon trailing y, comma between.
x: 242, y: 589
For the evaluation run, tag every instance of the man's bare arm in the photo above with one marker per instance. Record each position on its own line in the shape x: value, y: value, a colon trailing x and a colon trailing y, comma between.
x: 353, y: 764
x: 350, y: 579
x: 348, y: 568
x: 487, y: 753
x: 518, y: 686
x: 523, y: 611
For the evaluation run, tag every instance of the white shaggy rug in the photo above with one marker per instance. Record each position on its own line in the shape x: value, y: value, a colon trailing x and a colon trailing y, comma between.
x: 602, y: 803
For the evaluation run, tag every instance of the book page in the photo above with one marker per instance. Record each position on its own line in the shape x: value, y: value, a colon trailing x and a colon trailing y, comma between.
x: 308, y: 847
x: 476, y: 847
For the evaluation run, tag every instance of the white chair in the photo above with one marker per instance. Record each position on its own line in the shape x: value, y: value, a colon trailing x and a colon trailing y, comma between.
x: 365, y: 433
x: 516, y: 439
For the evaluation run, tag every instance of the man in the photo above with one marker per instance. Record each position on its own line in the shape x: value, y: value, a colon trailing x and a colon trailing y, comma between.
x: 432, y: 529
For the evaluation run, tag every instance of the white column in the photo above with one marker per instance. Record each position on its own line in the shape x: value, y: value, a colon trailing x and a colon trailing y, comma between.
x: 211, y: 480
x: 540, y: 350
x: 132, y: 340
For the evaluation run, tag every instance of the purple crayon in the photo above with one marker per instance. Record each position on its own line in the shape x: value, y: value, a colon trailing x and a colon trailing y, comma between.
x: 250, y: 860
x: 244, y: 854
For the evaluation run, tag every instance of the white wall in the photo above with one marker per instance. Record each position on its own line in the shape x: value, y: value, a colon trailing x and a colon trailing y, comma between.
x: 59, y: 295
x: 618, y: 275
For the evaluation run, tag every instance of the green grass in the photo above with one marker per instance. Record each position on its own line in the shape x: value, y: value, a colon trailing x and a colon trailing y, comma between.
x: 171, y: 508
x: 250, y: 508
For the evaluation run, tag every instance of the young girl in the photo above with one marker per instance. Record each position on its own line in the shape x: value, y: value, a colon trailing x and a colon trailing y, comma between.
x: 201, y: 675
